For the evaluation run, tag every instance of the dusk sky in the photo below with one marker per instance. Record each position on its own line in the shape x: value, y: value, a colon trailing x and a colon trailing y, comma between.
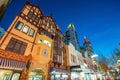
x: 99, y: 20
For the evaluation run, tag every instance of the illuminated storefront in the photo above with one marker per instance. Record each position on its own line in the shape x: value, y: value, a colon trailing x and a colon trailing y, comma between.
x: 12, y: 65
x: 58, y: 74
x: 5, y: 74
x: 8, y: 75
x: 37, y: 74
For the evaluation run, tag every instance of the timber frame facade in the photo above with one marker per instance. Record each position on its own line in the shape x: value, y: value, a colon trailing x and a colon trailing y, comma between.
x: 37, y: 41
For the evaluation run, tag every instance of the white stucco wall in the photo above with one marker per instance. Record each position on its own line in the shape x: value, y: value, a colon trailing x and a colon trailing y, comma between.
x: 77, y: 54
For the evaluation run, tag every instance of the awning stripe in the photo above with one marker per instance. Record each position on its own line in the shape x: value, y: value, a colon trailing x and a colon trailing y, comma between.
x: 8, y: 63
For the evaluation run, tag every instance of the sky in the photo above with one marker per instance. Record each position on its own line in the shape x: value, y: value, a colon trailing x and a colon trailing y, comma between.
x: 98, y: 20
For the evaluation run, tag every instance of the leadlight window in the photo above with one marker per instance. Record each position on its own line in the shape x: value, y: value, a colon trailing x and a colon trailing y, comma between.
x: 25, y: 29
x: 33, y: 17
x: 19, y: 25
x: 47, y: 42
x: 40, y: 41
x: 32, y: 31
x: 37, y: 19
x: 16, y: 46
x: 30, y: 14
x: 44, y: 22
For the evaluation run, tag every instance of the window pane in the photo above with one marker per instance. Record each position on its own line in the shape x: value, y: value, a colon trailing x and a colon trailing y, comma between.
x: 37, y: 19
x: 11, y: 44
x: 33, y: 17
x: 19, y: 25
x: 30, y: 14
x: 23, y: 48
x: 25, y: 29
x: 16, y: 46
x: 31, y: 32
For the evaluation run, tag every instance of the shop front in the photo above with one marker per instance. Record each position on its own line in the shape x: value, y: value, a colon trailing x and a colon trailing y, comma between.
x: 59, y: 74
x: 10, y: 69
x: 9, y: 75
x: 37, y: 74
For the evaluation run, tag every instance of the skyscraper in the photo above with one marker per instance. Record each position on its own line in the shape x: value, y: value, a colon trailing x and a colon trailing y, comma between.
x: 88, y: 47
x: 71, y: 37
x: 75, y: 56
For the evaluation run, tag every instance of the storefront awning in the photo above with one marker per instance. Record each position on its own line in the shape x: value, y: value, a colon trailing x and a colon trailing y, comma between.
x: 12, y: 64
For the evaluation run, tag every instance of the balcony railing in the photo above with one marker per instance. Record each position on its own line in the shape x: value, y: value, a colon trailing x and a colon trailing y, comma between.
x: 14, y: 56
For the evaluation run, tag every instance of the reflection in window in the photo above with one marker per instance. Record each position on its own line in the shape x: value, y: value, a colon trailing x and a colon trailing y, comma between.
x: 31, y: 32
x: 5, y: 74
x: 19, y: 25
x: 40, y: 41
x: 25, y: 29
x: 47, y: 42
x: 16, y: 76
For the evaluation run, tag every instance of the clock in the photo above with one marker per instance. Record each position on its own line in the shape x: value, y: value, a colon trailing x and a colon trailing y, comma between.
x: 45, y: 52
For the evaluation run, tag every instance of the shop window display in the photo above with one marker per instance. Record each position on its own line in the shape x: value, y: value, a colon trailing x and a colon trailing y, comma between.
x: 5, y: 74
x: 16, y: 76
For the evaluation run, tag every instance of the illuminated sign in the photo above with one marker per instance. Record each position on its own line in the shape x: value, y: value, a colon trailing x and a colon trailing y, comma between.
x: 63, y: 75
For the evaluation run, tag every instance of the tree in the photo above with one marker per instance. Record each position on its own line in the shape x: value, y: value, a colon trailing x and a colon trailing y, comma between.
x: 114, y: 56
x: 117, y: 54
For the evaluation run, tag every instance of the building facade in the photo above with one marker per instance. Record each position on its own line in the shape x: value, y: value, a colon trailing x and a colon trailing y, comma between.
x: 87, y: 52
x: 75, y: 56
x: 33, y: 33
x: 88, y: 47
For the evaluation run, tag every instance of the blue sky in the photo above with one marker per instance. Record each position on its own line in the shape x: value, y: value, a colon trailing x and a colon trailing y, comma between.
x: 99, y: 20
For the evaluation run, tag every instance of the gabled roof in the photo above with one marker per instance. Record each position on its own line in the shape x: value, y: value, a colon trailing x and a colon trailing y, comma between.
x: 34, y: 6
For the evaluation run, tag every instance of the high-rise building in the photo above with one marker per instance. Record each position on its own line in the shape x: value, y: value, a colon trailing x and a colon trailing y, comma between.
x: 71, y: 37
x: 33, y: 33
x: 75, y: 56
x: 88, y: 47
